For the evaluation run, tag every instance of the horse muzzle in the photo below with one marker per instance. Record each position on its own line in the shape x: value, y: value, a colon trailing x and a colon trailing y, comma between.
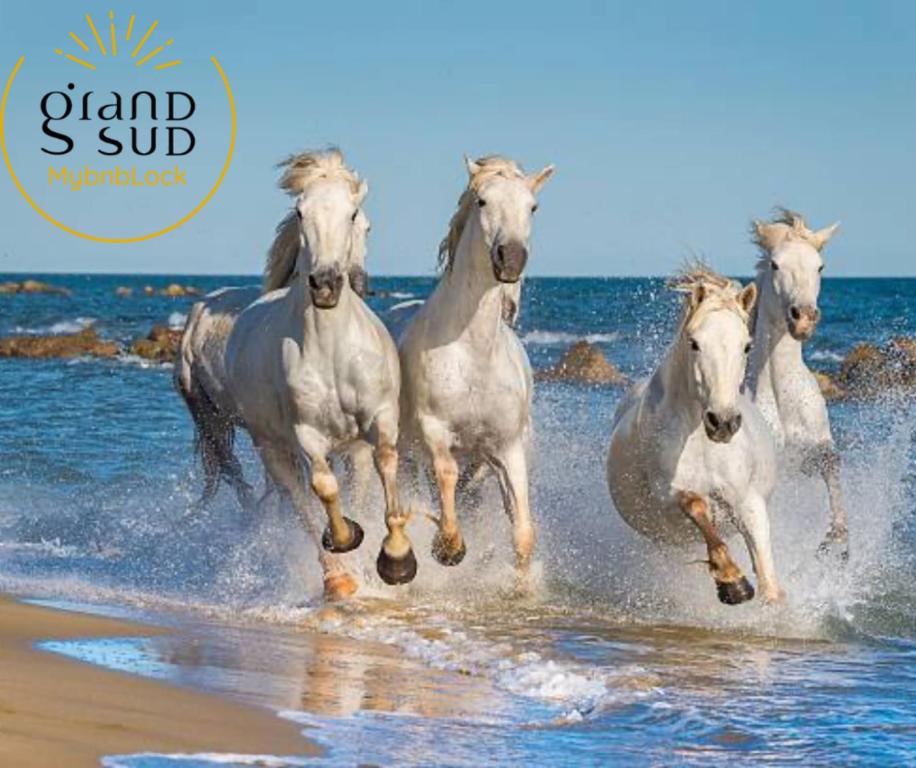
x: 359, y: 281
x: 721, y: 427
x: 509, y: 260
x: 325, y: 286
x: 802, y: 321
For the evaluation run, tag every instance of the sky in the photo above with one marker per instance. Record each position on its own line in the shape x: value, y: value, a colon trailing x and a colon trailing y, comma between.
x: 671, y: 126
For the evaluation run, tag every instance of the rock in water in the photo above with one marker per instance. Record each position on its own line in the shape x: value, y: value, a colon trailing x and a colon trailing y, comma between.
x: 160, y: 345
x: 585, y: 363
x: 869, y: 370
x: 830, y: 389
x: 86, y: 342
x: 32, y: 287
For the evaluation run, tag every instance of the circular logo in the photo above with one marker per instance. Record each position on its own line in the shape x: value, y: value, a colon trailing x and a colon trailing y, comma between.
x: 108, y: 130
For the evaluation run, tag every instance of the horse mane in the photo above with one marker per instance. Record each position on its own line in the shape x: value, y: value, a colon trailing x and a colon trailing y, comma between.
x: 718, y: 292
x: 793, y: 227
x: 488, y: 167
x: 299, y: 171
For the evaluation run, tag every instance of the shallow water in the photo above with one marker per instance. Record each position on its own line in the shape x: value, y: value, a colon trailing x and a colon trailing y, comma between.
x: 624, y: 653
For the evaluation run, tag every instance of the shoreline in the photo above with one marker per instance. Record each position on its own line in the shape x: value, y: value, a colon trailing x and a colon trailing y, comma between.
x: 56, y: 711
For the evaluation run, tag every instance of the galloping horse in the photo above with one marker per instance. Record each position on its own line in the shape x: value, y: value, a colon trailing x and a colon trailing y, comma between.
x: 308, y: 369
x: 467, y: 381
x: 789, y: 282
x: 687, y: 446
x: 202, y: 352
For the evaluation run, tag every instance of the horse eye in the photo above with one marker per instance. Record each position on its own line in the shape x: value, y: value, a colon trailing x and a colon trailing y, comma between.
x: 299, y: 214
x: 481, y: 202
x: 694, y: 346
x: 353, y: 217
x: 534, y: 207
x: 774, y: 265
x: 747, y: 349
x: 820, y: 268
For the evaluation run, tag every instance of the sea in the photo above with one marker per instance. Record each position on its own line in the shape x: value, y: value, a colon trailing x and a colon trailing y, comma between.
x: 623, y: 656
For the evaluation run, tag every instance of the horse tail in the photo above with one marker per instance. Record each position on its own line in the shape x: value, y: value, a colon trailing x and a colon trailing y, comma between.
x: 214, y: 438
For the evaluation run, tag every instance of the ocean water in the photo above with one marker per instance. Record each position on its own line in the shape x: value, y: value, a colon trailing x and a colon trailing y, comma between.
x: 623, y: 656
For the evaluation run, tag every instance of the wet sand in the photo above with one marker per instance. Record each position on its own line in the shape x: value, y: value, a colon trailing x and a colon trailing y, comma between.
x: 58, y: 712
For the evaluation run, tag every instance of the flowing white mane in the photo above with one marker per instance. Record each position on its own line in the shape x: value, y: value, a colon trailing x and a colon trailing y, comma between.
x: 488, y: 167
x: 785, y: 225
x: 298, y: 172
x: 706, y: 291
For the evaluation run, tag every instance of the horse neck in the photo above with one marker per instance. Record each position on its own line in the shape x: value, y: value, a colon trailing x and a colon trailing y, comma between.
x: 777, y: 357
x: 673, y: 377
x: 470, y: 295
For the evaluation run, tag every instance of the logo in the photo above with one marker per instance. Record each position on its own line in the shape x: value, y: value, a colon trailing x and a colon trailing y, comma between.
x: 114, y: 128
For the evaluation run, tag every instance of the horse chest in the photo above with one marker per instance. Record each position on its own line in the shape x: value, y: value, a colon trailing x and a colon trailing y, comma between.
x: 321, y: 402
x: 472, y: 395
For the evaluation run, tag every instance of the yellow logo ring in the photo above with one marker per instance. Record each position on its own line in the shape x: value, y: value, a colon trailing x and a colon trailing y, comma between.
x: 98, y: 238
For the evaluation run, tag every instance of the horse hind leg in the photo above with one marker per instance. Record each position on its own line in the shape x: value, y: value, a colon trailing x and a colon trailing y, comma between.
x: 286, y: 471
x: 732, y: 585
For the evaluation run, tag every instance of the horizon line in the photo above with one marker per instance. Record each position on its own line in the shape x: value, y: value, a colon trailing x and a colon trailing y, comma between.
x: 391, y: 276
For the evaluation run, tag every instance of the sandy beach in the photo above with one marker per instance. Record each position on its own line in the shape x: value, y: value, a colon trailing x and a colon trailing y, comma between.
x: 59, y: 713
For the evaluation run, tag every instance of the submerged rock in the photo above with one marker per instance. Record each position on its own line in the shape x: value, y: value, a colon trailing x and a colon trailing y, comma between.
x: 86, y: 342
x: 160, y: 345
x: 585, y: 363
x: 124, y: 292
x: 33, y: 286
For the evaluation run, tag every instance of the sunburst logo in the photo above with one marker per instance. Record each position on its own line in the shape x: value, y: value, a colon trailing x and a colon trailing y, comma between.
x: 143, y: 137
x: 112, y: 44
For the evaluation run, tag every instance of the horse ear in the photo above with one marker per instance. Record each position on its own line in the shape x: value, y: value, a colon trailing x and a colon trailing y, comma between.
x: 537, y: 180
x: 769, y: 236
x: 472, y: 167
x: 748, y: 297
x: 822, y: 236
x: 361, y: 191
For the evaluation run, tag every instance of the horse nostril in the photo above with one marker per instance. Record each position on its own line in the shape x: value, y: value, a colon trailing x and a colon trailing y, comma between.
x: 736, y: 423
x: 313, y: 283
x: 712, y: 419
x: 795, y: 313
x: 501, y: 252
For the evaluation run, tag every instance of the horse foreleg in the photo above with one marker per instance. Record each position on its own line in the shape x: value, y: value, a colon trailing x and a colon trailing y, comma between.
x: 753, y: 521
x: 396, y: 562
x: 512, y: 470
x: 284, y: 469
x: 448, y: 544
x: 838, y: 533
x: 731, y: 584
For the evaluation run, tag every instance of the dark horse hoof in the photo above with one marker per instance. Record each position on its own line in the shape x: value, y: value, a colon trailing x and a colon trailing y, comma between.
x: 735, y: 592
x: 356, y: 538
x: 396, y: 571
x: 444, y: 554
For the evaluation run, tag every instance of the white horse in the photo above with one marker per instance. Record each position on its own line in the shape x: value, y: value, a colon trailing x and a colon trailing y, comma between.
x: 788, y: 395
x: 467, y: 381
x: 688, y: 447
x: 200, y: 369
x: 308, y: 369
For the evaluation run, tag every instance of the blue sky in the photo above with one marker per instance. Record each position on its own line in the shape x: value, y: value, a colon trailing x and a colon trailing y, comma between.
x: 671, y: 125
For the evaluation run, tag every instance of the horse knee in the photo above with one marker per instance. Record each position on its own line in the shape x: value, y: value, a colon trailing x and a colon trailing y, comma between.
x: 325, y: 486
